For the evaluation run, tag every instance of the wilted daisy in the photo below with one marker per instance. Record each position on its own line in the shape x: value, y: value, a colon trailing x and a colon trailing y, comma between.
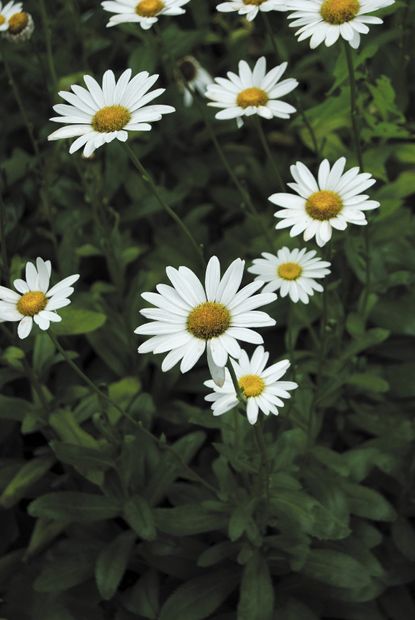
x: 250, y: 8
x: 6, y: 11
x: 190, y: 318
x: 331, y: 201
x: 20, y: 27
x: 98, y: 115
x: 252, y: 92
x: 143, y: 12
x: 35, y: 301
x: 259, y: 385
x: 291, y: 272
x: 327, y: 20
x: 192, y: 77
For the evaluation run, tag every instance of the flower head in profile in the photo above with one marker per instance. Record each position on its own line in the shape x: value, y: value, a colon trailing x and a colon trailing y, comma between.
x: 261, y: 386
x: 192, y: 77
x: 98, y: 114
x: 291, y: 272
x: 34, y: 300
x: 6, y: 11
x: 20, y: 27
x: 252, y: 92
x: 333, y: 200
x: 324, y: 21
x: 142, y: 12
x: 251, y: 8
x: 190, y: 317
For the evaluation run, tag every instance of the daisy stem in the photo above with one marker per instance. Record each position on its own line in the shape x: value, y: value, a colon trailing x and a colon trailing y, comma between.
x: 238, y: 390
x: 278, y: 56
x: 268, y: 153
x: 48, y: 41
x: 246, y: 198
x: 148, y: 179
x: 4, y: 257
x: 359, y: 155
x: 102, y: 395
x: 264, y: 468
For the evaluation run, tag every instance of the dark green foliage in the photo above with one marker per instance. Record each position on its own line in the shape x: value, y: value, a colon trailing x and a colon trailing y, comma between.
x: 139, y: 504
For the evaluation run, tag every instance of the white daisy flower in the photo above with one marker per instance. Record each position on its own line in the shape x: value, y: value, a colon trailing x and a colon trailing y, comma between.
x: 6, y: 11
x: 190, y: 318
x: 252, y: 92
x: 291, y: 272
x: 192, y: 77
x: 21, y: 28
x: 35, y: 301
x: 327, y: 20
x: 331, y: 201
x: 98, y: 115
x: 143, y: 12
x: 250, y: 8
x: 259, y: 385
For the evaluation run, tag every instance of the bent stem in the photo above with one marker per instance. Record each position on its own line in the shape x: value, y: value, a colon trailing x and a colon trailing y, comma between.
x: 102, y: 395
x: 359, y: 155
x: 246, y: 198
x: 148, y: 179
x: 267, y: 151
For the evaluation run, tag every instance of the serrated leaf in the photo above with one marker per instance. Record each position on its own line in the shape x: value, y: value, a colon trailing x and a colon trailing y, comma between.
x: 111, y: 564
x: 139, y: 515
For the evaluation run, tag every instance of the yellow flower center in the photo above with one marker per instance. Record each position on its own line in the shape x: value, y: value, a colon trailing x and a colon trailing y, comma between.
x: 339, y: 11
x: 252, y: 96
x: 2, y: 19
x: 254, y: 2
x: 208, y: 320
x: 31, y: 303
x: 251, y: 385
x: 323, y: 205
x: 149, y: 8
x: 18, y: 22
x: 111, y: 118
x: 289, y: 271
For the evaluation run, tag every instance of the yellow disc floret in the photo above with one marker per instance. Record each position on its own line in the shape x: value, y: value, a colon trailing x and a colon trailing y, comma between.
x: 324, y: 205
x: 111, y: 118
x: 32, y: 303
x: 18, y: 22
x: 254, y: 2
x: 149, y: 8
x: 289, y: 271
x: 252, y: 97
x: 2, y: 20
x: 339, y: 11
x: 251, y: 385
x: 208, y: 320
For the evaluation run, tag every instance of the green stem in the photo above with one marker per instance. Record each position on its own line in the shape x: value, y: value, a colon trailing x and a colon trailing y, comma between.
x: 148, y: 179
x: 4, y: 257
x: 48, y: 41
x: 264, y: 468
x: 102, y: 395
x: 238, y: 389
x: 359, y: 156
x: 267, y: 151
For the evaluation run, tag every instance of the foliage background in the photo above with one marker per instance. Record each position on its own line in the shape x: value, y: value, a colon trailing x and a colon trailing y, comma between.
x: 100, y: 521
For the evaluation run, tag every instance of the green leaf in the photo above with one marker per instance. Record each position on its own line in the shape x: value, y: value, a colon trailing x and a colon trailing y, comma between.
x: 143, y: 598
x: 64, y: 573
x: 198, y: 598
x: 335, y: 569
x: 403, y: 534
x: 31, y: 472
x: 188, y: 520
x: 78, y: 321
x: 112, y: 563
x: 368, y: 503
x: 256, y: 599
x: 138, y: 514
x: 75, y: 507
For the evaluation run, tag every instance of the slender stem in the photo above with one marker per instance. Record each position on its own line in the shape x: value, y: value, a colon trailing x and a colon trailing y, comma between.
x: 48, y: 41
x: 238, y: 389
x: 192, y: 474
x: 148, y: 179
x: 265, y: 470
x: 359, y: 155
x: 290, y: 345
x: 268, y: 153
x: 278, y: 53
x: 308, y: 126
x: 19, y: 101
x: 246, y: 198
